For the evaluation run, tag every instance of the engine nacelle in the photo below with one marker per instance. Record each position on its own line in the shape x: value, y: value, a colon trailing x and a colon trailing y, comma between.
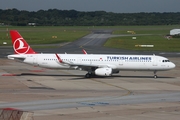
x: 103, y: 71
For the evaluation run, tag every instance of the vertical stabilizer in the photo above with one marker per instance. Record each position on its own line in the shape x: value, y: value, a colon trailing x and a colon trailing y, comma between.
x: 19, y: 44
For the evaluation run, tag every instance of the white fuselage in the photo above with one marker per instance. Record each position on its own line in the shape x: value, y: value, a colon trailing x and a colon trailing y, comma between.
x: 116, y: 62
x: 95, y: 64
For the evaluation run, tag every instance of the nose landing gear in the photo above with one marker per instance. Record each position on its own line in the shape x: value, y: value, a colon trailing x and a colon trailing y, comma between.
x: 155, y: 76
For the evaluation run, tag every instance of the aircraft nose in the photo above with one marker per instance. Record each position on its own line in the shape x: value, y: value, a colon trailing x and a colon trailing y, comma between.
x: 172, y: 65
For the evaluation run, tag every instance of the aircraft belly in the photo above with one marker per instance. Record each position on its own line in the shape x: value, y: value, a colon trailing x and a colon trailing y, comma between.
x: 133, y: 66
x: 53, y: 65
x: 28, y: 60
x: 143, y: 67
x: 42, y: 62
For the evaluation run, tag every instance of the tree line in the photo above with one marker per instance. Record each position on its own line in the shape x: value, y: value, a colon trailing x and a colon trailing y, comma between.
x: 55, y: 17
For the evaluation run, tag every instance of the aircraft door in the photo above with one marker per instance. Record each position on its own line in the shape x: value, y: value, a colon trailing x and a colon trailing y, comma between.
x: 79, y: 60
x: 35, y: 61
x: 120, y: 62
x: 155, y: 60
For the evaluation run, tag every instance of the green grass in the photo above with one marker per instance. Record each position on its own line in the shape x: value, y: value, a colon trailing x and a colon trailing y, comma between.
x: 151, y: 35
x: 160, y: 43
x: 44, y: 35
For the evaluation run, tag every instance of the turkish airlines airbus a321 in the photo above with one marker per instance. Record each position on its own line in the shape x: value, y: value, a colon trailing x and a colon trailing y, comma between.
x: 94, y: 64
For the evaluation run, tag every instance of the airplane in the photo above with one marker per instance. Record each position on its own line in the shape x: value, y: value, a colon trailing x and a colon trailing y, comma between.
x: 94, y: 64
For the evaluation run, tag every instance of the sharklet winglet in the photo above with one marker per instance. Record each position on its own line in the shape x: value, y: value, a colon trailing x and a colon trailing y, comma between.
x: 59, y: 59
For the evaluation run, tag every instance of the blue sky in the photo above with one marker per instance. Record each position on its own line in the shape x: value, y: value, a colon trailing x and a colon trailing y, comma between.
x: 117, y: 6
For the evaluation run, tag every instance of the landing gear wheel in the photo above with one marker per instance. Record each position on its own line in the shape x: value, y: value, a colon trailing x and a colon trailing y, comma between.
x: 155, y: 76
x: 87, y: 75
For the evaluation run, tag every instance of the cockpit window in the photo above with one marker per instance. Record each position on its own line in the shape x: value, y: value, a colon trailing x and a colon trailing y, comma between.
x: 165, y: 61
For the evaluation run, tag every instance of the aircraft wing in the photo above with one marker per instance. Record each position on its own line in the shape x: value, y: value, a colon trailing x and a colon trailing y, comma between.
x: 83, y: 66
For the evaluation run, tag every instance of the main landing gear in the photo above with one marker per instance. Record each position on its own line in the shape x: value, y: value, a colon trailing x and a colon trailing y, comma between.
x: 89, y: 75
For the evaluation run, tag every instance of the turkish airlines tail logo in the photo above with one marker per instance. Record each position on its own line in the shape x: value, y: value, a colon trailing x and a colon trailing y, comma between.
x: 19, y: 44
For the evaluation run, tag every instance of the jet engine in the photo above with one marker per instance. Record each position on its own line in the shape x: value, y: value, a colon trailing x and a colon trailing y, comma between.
x: 103, y: 71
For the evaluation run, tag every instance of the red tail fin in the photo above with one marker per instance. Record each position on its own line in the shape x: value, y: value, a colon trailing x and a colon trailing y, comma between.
x: 19, y: 44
